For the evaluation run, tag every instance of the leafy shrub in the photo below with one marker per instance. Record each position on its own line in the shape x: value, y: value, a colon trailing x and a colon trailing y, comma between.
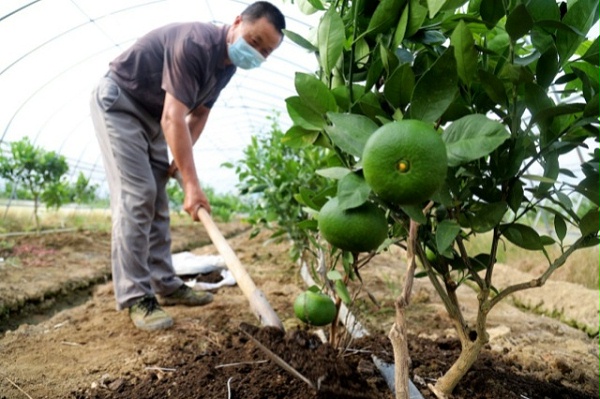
x: 272, y: 174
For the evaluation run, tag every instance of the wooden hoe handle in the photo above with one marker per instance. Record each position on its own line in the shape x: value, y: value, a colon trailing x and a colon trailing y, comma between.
x: 258, y: 302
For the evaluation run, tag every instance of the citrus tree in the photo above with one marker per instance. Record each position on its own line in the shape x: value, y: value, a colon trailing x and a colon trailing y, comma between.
x: 456, y: 118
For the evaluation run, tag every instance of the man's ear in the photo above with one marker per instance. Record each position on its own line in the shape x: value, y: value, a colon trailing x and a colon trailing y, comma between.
x: 237, y: 21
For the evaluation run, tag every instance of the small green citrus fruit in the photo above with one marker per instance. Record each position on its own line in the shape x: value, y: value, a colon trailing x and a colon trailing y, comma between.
x: 405, y: 162
x: 360, y: 229
x: 314, y: 308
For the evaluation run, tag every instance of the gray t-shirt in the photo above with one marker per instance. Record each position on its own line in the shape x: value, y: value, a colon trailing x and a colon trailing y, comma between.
x: 183, y: 59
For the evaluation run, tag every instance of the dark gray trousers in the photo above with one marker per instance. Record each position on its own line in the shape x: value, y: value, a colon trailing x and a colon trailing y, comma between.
x: 135, y: 156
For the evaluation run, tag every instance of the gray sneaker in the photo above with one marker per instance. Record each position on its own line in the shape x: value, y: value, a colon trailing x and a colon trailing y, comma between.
x: 147, y: 315
x: 184, y: 295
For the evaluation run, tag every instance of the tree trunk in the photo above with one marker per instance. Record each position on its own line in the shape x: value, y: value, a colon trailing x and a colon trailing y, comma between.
x: 468, y: 355
x: 399, y: 341
x: 35, y: 214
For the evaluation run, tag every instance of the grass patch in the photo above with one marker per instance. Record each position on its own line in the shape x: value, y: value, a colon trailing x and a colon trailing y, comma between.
x: 557, y: 314
x: 20, y: 219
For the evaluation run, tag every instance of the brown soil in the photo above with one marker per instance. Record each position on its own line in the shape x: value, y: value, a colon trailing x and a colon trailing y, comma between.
x: 63, y: 338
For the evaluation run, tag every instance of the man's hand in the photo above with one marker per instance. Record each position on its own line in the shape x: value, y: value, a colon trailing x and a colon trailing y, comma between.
x: 191, y: 202
x: 195, y: 198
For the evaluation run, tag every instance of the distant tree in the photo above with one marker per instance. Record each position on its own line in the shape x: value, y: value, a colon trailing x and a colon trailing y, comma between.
x: 40, y: 171
x: 82, y: 192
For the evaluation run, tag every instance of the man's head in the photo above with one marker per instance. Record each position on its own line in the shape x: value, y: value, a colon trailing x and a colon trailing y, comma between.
x: 255, y: 34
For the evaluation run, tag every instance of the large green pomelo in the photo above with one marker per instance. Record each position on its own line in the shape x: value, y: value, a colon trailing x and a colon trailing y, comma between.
x: 360, y: 229
x: 405, y: 162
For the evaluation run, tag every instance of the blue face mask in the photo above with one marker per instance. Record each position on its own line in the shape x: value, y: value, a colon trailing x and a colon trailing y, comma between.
x: 243, y: 55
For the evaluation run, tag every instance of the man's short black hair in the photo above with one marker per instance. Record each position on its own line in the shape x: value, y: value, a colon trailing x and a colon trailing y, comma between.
x: 267, y: 10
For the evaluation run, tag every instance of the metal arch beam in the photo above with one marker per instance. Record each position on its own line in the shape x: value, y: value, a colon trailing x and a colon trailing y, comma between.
x: 93, y: 21
x: 253, y: 112
x: 46, y: 84
x: 18, y: 10
x: 116, y: 44
x: 40, y: 88
x: 90, y: 21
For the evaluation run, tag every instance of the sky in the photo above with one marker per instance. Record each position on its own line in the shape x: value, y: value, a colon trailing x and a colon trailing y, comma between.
x: 52, y: 53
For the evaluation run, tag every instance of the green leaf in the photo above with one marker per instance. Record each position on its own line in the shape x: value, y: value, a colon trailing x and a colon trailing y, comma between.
x: 400, y: 32
x: 522, y: 236
x: 350, y: 132
x: 547, y: 68
x: 588, y: 74
x: 560, y: 227
x: 436, y: 89
x: 336, y: 172
x: 314, y: 93
x: 370, y: 106
x: 303, y: 115
x: 487, y: 216
x: 564, y: 200
x: 590, y: 222
x: 543, y: 10
x: 353, y: 191
x: 314, y: 288
x: 559, y: 110
x: 362, y: 53
x: 399, y: 86
x: 581, y: 15
x: 589, y: 188
x: 434, y: 6
x: 385, y: 16
x: 591, y: 55
x: 592, y: 108
x: 518, y: 22
x: 551, y: 171
x: 331, y: 37
x: 415, y: 213
x: 342, y: 291
x: 342, y: 95
x: 464, y: 52
x: 472, y: 137
x: 416, y: 16
x: 307, y: 224
x: 539, y: 178
x: 481, y: 262
x: 307, y: 8
x: 491, y: 12
x: 536, y: 99
x: 515, y: 196
x: 334, y: 275
x: 297, y: 137
x: 493, y: 87
x: 445, y: 234
x: 299, y: 40
x: 305, y: 197
x: 318, y: 4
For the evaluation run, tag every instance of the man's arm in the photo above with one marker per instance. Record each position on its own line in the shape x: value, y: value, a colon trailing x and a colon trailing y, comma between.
x: 196, y: 121
x: 180, y: 140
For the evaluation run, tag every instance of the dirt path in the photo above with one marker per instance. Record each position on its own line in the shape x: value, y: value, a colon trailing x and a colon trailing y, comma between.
x: 92, y: 351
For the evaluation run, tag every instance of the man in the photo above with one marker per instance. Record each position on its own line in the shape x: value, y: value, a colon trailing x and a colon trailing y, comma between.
x: 158, y: 95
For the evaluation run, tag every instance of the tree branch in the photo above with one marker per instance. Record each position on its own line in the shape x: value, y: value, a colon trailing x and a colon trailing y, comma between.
x: 538, y: 282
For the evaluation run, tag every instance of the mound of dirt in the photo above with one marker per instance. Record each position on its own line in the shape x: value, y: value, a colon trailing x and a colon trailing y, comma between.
x: 88, y: 350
